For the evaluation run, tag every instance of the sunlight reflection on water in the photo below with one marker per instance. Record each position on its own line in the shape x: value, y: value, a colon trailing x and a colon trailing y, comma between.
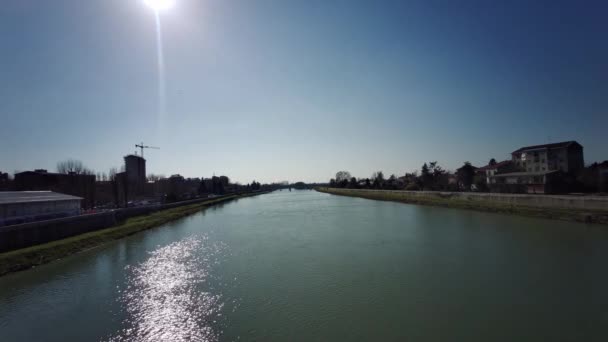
x: 164, y: 299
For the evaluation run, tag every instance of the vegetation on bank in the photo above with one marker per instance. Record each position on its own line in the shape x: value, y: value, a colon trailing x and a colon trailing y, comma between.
x: 431, y: 177
x: 586, y: 216
x: 41, y: 254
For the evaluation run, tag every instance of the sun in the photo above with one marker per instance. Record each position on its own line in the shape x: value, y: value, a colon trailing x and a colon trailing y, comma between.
x: 159, y: 5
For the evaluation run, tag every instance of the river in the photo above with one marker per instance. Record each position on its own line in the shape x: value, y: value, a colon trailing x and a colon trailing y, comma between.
x: 307, y: 266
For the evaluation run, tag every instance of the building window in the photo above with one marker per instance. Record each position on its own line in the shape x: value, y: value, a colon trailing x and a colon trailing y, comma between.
x: 537, y: 169
x: 543, y: 169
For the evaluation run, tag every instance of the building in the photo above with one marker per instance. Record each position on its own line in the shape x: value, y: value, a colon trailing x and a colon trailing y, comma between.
x: 27, y: 206
x: 106, y: 193
x: 135, y: 169
x: 176, y: 188
x: 488, y: 171
x: 564, y: 156
x: 603, y: 176
x: 131, y: 184
x: 548, y: 168
x: 134, y: 176
x: 71, y: 184
x: 5, y: 181
x: 594, y: 178
x: 541, y: 182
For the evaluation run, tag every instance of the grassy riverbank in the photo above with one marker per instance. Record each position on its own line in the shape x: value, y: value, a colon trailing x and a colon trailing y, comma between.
x: 25, y: 258
x: 438, y: 199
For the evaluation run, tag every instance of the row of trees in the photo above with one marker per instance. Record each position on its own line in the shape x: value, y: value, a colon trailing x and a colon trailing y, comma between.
x: 431, y: 177
x: 73, y: 166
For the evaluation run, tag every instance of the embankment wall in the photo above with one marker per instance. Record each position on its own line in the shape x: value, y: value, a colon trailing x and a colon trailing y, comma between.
x: 35, y: 233
x: 578, y: 208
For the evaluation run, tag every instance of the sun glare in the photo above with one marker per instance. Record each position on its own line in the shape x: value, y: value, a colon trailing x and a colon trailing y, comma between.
x: 159, y: 5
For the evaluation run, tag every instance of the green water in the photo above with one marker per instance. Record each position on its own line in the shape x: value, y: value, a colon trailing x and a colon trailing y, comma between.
x: 306, y: 266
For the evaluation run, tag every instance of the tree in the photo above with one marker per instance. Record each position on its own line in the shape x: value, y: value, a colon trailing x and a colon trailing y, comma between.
x: 492, y: 162
x: 202, y: 188
x: 433, y: 176
x: 465, y: 175
x: 411, y: 178
x: 114, y: 183
x: 392, y: 182
x: 378, y: 180
x: 72, y: 166
x: 440, y: 179
x: 480, y: 183
x: 353, y: 184
x: 255, y: 185
x: 217, y: 186
x: 426, y: 178
x: 342, y: 175
x: 154, y: 178
x: 225, y: 180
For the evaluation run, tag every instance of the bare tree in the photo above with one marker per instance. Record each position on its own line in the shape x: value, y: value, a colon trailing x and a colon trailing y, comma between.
x: 154, y: 178
x: 114, y: 184
x: 343, y: 176
x: 112, y: 174
x: 379, y: 175
x: 73, y: 166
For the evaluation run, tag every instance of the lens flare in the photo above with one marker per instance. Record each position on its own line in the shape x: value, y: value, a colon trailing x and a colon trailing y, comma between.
x: 159, y: 5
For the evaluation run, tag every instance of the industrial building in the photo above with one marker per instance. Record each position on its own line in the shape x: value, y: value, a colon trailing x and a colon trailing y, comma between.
x: 27, y: 206
x: 81, y: 185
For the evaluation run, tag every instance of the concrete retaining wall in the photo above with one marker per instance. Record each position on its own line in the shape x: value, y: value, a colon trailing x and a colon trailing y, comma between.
x: 35, y: 233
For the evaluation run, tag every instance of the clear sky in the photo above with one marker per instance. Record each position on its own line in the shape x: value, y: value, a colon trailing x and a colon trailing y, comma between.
x: 297, y: 90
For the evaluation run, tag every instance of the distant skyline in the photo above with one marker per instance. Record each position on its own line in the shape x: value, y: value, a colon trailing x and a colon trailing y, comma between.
x: 273, y: 90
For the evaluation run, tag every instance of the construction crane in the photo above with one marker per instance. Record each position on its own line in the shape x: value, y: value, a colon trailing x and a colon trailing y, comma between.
x: 142, y: 146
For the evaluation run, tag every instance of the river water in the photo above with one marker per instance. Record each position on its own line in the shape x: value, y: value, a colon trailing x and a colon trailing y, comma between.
x: 307, y: 266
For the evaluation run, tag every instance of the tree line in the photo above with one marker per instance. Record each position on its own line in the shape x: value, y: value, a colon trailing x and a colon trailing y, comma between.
x: 430, y: 177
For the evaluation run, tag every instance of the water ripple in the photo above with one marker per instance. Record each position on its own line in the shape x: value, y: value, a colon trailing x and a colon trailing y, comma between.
x: 164, y: 299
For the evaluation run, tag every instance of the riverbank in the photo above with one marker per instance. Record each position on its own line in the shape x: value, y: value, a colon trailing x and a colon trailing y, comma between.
x: 569, y: 208
x: 29, y: 257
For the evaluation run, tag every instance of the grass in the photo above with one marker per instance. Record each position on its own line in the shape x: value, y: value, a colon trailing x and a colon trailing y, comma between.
x: 587, y: 216
x: 26, y: 258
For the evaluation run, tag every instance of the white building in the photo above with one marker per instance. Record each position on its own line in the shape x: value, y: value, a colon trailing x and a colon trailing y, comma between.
x: 26, y: 206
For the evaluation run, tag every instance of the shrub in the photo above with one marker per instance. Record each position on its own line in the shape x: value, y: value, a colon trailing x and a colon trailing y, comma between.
x: 412, y: 187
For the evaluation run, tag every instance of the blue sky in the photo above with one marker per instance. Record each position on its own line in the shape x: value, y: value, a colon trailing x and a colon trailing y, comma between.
x: 297, y: 90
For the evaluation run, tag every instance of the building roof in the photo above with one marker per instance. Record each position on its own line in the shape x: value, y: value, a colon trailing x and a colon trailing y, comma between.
x: 548, y: 146
x: 46, y: 173
x: 38, y: 172
x: 520, y: 174
x: 495, y: 166
x: 134, y: 156
x: 8, y: 197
